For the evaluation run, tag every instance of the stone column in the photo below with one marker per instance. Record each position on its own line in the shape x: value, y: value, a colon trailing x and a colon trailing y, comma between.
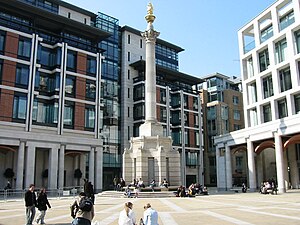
x: 260, y: 167
x: 20, y: 166
x: 99, y: 169
x: 279, y: 163
x: 92, y: 165
x: 251, y: 166
x: 217, y: 166
x: 61, y: 171
x: 30, y: 165
x: 53, y: 165
x: 228, y: 167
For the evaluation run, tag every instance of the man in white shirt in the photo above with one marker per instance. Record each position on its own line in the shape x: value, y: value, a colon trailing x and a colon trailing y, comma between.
x: 150, y: 215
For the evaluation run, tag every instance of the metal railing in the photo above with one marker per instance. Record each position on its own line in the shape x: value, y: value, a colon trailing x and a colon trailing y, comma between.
x: 15, y: 194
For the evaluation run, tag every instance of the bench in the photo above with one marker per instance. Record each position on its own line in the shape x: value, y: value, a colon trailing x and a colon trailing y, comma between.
x: 237, y: 189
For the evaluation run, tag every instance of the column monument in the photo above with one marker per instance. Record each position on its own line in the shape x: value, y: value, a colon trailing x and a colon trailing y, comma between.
x: 151, y: 155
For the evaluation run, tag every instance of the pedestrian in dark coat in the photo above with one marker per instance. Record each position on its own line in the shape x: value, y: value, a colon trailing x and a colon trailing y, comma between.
x: 30, y: 204
x: 42, y: 203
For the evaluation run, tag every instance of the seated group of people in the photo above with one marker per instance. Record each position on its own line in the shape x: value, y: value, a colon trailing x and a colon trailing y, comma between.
x: 268, y: 185
x: 192, y: 190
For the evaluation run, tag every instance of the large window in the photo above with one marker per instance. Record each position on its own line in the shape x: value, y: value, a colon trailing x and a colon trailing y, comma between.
x: 297, y: 103
x: 250, y: 70
x: 22, y: 75
x: 24, y: 48
x: 253, y: 117
x: 286, y: 20
x: 20, y: 105
x: 47, y: 82
x: 282, y: 108
x: 236, y: 114
x: 49, y: 58
x: 280, y: 51
x: 91, y: 65
x: 263, y: 60
x: 89, y: 117
x: 268, y: 86
x: 90, y: 93
x: 70, y: 86
x: 2, y: 42
x: 266, y: 33
x: 267, y: 113
x: 45, y: 112
x: 285, y: 79
x: 139, y: 111
x: 211, y: 112
x: 71, y: 61
x: 297, y: 39
x: 69, y: 114
x: 191, y: 158
x: 138, y: 92
x: 252, y: 93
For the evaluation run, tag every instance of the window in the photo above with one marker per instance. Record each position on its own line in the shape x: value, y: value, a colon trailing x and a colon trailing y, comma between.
x: 2, y: 42
x: 236, y: 127
x: 211, y: 112
x: 162, y: 96
x: 191, y: 158
x: 267, y: 113
x: 128, y: 93
x: 89, y: 121
x: 282, y: 108
x: 49, y: 58
x: 163, y: 114
x: 239, y: 163
x: 280, y: 51
x: 266, y: 33
x: 138, y: 92
x: 139, y: 111
x: 236, y: 115
x: 91, y: 65
x: 71, y: 60
x: 128, y: 39
x: 263, y: 60
x: 20, y: 106
x: 70, y: 86
x: 285, y: 80
x: 297, y: 103
x: 47, y: 82
x: 22, y: 75
x: 253, y: 117
x: 45, y: 112
x: 69, y: 114
x: 128, y: 111
x: 24, y: 48
x: 250, y: 69
x: 268, y: 87
x: 69, y: 15
x: 252, y: 93
x: 141, y: 43
x: 235, y: 100
x: 286, y: 20
x: 90, y: 91
x: 297, y: 39
x: 128, y: 74
x: 128, y: 56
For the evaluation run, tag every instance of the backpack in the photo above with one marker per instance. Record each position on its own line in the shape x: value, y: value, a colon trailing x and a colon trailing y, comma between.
x: 85, y: 205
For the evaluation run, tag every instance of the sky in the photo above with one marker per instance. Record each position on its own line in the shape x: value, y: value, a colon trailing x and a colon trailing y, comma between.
x: 205, y: 29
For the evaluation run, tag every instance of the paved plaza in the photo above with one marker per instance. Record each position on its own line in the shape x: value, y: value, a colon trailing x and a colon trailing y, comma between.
x: 222, y: 209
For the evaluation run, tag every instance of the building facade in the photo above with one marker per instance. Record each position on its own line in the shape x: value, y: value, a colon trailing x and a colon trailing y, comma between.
x: 178, y: 106
x: 222, y: 106
x: 59, y: 106
x: 269, y: 55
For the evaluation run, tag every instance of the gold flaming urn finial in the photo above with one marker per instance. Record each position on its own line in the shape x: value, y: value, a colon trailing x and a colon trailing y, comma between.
x: 150, y: 17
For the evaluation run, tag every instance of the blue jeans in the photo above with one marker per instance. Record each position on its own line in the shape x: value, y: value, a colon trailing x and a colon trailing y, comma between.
x: 30, y: 213
x: 81, y: 221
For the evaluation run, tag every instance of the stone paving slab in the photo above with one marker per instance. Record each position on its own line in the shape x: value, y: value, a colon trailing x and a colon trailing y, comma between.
x: 219, y: 209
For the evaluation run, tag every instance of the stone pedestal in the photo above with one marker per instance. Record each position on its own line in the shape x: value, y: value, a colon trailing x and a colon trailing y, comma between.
x: 152, y: 158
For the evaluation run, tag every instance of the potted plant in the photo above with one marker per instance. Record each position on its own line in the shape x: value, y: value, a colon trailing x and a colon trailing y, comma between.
x: 78, y: 175
x: 9, y: 173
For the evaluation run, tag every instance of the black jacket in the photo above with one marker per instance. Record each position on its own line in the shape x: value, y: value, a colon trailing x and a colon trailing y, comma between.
x: 42, y: 202
x: 30, y: 199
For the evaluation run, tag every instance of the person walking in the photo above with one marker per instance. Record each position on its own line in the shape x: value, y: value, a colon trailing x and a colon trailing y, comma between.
x: 150, y: 215
x: 127, y: 216
x: 30, y: 203
x: 82, y: 210
x: 42, y: 203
